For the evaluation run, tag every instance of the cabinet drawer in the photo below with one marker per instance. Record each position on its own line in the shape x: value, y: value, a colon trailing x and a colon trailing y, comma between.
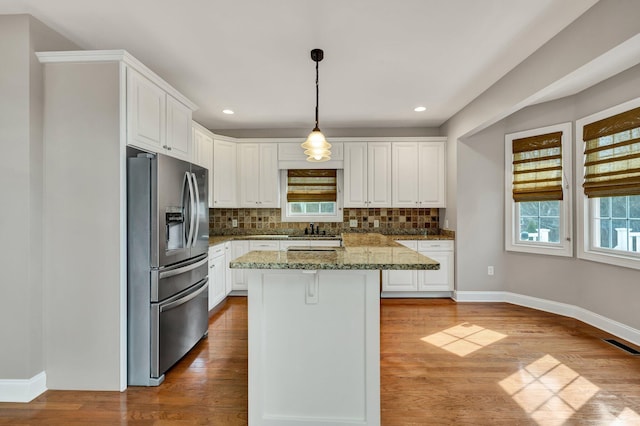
x: 264, y: 245
x: 309, y: 243
x: 412, y: 244
x: 217, y: 250
x: 435, y: 245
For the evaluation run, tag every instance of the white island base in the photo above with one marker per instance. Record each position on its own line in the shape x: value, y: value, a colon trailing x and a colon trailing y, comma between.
x: 314, y: 347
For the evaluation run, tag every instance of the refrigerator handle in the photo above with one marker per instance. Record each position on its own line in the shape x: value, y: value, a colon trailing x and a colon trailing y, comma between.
x: 192, y: 210
x: 197, y: 210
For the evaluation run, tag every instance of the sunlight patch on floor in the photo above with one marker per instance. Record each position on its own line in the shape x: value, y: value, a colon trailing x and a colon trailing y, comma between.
x: 548, y: 390
x: 464, y: 338
x: 627, y: 417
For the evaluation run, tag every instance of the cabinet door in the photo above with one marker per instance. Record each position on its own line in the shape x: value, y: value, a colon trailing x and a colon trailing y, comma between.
x: 379, y: 174
x: 355, y: 174
x: 228, y: 271
x: 224, y: 174
x: 202, y: 155
x: 178, y: 129
x: 268, y: 181
x: 146, y: 113
x: 249, y: 175
x: 431, y: 174
x: 217, y: 281
x: 239, y: 276
x: 441, y: 279
x: 399, y: 280
x: 405, y: 174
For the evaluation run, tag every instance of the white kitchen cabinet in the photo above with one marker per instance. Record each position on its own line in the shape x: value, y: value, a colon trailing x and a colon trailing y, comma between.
x: 178, y: 129
x: 422, y: 283
x: 224, y: 174
x: 156, y: 121
x: 440, y: 279
x: 202, y: 153
x: 264, y: 245
x: 239, y: 276
x: 228, y: 271
x: 418, y: 174
x: 401, y: 280
x: 258, y: 175
x: 367, y: 174
x: 217, y: 275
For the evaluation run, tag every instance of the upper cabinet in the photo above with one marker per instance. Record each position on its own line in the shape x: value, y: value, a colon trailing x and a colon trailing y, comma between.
x: 258, y: 175
x: 224, y: 174
x: 156, y: 120
x: 367, y: 174
x: 202, y: 153
x: 418, y: 174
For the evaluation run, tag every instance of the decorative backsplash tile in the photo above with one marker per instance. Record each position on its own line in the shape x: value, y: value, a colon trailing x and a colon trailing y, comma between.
x: 391, y: 221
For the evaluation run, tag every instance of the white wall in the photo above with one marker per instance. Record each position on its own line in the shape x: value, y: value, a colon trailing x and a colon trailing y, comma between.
x: 21, y: 183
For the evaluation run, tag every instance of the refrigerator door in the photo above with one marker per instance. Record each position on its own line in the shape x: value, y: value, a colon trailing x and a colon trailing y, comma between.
x: 173, y: 188
x: 200, y: 242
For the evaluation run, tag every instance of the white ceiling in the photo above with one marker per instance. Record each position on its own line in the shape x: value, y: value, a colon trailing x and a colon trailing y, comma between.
x: 382, y: 57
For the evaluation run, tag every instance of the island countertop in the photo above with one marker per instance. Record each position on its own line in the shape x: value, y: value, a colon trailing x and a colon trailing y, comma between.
x: 359, y: 251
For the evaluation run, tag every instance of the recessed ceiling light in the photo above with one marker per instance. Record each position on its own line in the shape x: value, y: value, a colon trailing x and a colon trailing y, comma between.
x: 227, y: 111
x: 419, y: 109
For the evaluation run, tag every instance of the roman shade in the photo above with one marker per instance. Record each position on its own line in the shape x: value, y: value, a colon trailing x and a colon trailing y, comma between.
x: 612, y: 156
x: 537, y: 168
x: 311, y: 185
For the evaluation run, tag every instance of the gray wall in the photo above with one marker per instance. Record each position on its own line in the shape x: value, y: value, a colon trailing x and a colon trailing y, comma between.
x: 574, y: 47
x: 21, y: 189
x: 610, y: 291
x: 82, y: 238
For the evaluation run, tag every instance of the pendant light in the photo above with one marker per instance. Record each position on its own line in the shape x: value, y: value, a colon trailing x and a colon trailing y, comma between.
x: 317, y: 149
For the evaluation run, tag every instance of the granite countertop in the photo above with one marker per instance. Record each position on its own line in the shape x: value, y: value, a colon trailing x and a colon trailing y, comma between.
x: 218, y: 239
x: 359, y: 251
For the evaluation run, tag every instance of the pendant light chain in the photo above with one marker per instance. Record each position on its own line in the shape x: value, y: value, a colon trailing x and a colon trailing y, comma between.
x: 317, y: 93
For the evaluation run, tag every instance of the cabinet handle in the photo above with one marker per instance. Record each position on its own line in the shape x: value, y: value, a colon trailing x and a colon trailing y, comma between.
x: 165, y: 146
x: 169, y: 148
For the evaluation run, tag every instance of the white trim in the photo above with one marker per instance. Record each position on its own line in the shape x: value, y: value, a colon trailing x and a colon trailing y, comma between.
x: 119, y: 55
x: 23, y: 390
x: 613, y: 327
x: 583, y: 223
x: 350, y: 139
x: 511, y: 238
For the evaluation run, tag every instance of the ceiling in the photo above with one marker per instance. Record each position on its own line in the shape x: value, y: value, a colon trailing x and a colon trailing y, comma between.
x: 382, y: 58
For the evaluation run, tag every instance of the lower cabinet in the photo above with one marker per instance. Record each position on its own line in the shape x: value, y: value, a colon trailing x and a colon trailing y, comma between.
x: 425, y: 281
x: 238, y: 276
x: 217, y: 274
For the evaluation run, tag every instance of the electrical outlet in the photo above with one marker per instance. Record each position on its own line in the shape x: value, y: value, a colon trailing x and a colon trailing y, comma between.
x: 376, y: 223
x: 353, y: 223
x: 489, y: 270
x: 234, y: 223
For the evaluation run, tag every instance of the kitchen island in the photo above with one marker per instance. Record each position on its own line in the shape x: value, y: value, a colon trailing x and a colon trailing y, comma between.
x: 314, y: 330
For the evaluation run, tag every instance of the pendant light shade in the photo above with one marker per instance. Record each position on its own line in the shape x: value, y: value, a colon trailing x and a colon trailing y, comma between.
x: 316, y: 147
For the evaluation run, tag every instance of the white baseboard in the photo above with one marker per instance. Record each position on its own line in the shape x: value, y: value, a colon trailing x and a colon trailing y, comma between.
x: 616, y: 328
x: 22, y: 390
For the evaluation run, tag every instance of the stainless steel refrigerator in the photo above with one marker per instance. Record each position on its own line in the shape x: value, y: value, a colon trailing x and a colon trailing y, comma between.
x: 168, y: 241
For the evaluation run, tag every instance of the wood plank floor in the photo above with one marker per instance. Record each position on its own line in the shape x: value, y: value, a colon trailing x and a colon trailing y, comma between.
x: 442, y: 363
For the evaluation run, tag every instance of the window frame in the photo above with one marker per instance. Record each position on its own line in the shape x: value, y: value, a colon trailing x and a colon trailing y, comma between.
x: 585, y: 208
x: 284, y: 211
x: 511, y: 217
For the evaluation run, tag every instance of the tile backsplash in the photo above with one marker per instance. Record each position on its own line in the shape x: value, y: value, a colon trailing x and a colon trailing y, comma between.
x: 391, y: 220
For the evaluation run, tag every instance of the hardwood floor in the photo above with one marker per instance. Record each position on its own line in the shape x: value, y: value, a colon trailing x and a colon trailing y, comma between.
x: 442, y: 363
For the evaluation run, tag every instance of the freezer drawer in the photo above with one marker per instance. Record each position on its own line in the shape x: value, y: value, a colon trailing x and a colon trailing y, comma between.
x: 166, y: 282
x: 176, y: 326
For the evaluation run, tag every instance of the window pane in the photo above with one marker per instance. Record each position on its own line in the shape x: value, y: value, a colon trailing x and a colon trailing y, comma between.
x: 313, y: 208
x: 605, y: 206
x: 549, y: 230
x: 296, y: 208
x: 606, y: 237
x: 619, y: 207
x: 550, y: 208
x: 634, y: 207
x: 529, y: 208
x: 634, y: 236
x: 327, y: 207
